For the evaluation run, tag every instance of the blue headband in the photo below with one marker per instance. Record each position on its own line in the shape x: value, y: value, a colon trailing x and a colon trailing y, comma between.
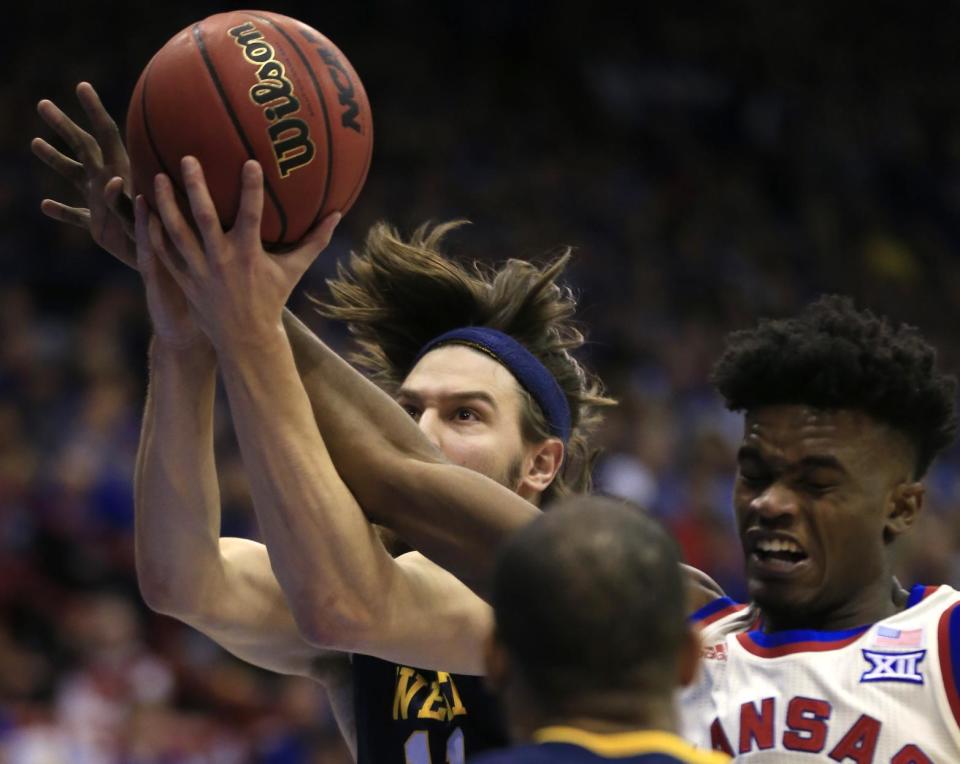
x: 530, y: 373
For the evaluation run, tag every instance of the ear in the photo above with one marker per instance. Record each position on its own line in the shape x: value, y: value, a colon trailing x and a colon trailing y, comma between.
x: 540, y: 466
x: 905, y: 505
x: 497, y: 663
x: 688, y: 659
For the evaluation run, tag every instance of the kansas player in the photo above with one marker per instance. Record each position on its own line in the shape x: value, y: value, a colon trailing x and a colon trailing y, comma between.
x: 844, y: 412
x: 591, y: 639
x: 487, y: 401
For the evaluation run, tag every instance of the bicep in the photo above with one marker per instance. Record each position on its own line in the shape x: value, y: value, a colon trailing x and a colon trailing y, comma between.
x: 249, y: 617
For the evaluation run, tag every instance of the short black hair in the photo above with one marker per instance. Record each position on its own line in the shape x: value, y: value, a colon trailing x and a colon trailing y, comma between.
x: 589, y: 598
x: 834, y: 356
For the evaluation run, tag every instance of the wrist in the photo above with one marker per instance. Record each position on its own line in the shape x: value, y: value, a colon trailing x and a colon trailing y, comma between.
x: 250, y: 341
x: 196, y: 352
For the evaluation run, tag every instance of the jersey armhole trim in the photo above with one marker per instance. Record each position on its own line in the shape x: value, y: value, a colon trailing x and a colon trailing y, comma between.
x: 714, y: 611
x: 918, y: 593
x: 949, y: 650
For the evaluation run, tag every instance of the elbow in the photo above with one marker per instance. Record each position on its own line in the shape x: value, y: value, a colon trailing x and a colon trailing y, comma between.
x: 167, y: 594
x: 160, y: 594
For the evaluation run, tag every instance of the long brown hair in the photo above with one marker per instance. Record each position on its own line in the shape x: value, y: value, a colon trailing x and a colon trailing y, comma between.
x: 396, y: 295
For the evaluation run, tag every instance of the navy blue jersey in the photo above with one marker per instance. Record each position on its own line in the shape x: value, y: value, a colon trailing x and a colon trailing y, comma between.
x: 566, y: 745
x: 412, y: 716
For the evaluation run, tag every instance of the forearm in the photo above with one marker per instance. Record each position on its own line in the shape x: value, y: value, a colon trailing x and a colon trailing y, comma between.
x: 352, y: 411
x: 177, y: 522
x: 323, y: 549
x: 396, y: 474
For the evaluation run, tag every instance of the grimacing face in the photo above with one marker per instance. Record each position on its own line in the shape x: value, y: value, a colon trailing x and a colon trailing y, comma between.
x: 819, y: 497
x: 468, y: 405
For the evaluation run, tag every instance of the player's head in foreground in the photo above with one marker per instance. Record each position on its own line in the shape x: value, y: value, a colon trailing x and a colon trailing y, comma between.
x: 844, y: 412
x: 479, y: 356
x: 590, y: 626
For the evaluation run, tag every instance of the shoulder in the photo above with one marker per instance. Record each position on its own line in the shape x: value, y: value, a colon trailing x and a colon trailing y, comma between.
x: 447, y: 593
x: 416, y: 564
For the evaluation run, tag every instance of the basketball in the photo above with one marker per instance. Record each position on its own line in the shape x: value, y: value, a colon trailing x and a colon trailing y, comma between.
x: 254, y: 85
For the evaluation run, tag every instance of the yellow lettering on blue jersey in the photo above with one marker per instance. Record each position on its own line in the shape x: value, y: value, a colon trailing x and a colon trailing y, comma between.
x: 432, y: 708
x: 405, y: 692
x: 439, y: 703
x: 458, y: 709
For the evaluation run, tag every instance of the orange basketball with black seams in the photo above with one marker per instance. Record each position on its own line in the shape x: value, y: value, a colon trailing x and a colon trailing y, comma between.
x: 254, y: 85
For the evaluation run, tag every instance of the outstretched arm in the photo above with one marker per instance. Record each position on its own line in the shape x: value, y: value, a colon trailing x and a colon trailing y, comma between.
x: 223, y: 587
x: 345, y: 590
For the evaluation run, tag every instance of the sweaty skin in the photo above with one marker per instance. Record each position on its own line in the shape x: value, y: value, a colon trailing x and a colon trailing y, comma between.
x: 829, y: 491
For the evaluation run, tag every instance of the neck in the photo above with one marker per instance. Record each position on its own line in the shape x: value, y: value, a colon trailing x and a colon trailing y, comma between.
x: 873, y: 603
x: 602, y: 713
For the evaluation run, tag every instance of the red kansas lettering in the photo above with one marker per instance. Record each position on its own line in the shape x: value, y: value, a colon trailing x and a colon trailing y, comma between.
x: 806, y: 731
x: 757, y: 727
x: 910, y: 754
x: 718, y: 738
x: 806, y: 725
x: 859, y: 743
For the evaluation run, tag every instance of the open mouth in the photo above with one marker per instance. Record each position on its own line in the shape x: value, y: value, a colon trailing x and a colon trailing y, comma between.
x: 776, y: 555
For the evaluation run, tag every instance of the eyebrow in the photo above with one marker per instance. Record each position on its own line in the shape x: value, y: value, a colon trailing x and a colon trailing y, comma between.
x: 821, y: 461
x: 466, y: 395
x: 825, y: 462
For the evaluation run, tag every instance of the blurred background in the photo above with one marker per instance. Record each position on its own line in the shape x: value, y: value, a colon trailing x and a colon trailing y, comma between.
x: 710, y: 162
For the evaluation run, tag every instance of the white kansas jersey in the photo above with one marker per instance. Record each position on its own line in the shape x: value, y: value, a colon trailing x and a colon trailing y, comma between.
x: 880, y: 693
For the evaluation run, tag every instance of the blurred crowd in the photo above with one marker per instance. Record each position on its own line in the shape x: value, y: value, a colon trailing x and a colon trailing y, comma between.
x: 710, y: 163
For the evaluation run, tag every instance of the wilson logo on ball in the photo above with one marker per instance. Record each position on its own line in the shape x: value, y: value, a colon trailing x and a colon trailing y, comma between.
x: 289, y: 136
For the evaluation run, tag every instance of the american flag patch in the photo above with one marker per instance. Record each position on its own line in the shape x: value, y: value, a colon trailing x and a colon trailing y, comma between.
x: 887, y: 637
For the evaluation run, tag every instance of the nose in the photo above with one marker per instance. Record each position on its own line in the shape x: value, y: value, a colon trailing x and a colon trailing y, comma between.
x: 430, y: 425
x: 776, y: 501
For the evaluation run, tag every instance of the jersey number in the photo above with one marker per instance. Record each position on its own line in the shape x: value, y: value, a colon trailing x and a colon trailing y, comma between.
x: 417, y: 748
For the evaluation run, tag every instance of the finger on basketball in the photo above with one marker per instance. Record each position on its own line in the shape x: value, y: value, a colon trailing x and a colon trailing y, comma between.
x: 78, y: 216
x: 250, y: 213
x: 317, y: 238
x: 175, y: 224
x: 201, y: 204
x: 157, y: 240
x: 58, y: 162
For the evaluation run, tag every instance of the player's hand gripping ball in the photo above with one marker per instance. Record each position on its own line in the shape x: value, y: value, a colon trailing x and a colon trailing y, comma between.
x: 254, y: 85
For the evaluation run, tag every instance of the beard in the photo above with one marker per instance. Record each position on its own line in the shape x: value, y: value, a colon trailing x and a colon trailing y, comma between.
x: 511, y: 474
